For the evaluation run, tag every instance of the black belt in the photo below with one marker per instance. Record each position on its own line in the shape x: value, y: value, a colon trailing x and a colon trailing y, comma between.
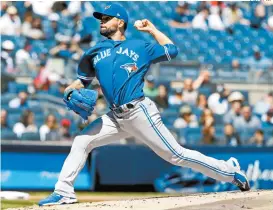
x: 126, y: 107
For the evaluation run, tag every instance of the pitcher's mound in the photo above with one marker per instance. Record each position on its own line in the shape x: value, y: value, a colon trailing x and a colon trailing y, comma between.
x: 255, y: 200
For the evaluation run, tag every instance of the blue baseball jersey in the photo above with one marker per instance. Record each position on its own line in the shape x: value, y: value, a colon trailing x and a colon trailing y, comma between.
x: 120, y: 67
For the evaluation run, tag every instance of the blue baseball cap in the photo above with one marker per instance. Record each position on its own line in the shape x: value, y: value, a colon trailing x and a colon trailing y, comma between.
x: 113, y: 10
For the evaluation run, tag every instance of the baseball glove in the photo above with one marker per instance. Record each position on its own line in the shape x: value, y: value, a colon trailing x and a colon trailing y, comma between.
x: 81, y: 101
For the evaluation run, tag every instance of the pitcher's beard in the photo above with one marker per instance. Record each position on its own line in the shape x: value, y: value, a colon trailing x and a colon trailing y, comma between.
x: 107, y: 32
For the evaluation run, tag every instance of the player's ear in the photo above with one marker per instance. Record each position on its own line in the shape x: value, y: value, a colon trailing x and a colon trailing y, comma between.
x: 121, y: 25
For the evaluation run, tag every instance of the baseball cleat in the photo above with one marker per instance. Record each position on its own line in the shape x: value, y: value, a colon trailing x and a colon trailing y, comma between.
x: 56, y: 199
x: 241, y: 181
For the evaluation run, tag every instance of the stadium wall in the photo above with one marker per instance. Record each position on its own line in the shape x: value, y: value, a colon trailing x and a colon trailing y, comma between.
x: 36, y: 167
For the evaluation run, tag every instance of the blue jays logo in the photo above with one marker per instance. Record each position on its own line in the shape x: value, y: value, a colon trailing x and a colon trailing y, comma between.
x: 107, y: 7
x: 129, y: 67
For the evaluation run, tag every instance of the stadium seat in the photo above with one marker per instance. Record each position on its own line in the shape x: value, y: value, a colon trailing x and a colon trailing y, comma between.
x: 268, y: 133
x: 14, y: 87
x: 245, y: 135
x: 8, y: 135
x: 169, y: 120
x: 13, y: 118
x: 218, y: 119
x: 219, y: 132
x: 7, y: 97
x: 205, y: 91
x: 30, y: 136
x: 192, y: 135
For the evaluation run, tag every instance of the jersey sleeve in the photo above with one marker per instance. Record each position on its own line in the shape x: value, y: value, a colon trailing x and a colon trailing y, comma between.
x: 86, y: 71
x: 158, y: 53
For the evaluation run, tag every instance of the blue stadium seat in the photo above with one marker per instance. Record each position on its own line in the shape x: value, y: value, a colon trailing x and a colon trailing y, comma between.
x: 171, y: 111
x: 13, y: 118
x: 245, y: 135
x: 219, y: 132
x: 8, y: 135
x: 14, y: 87
x: 205, y: 91
x: 7, y: 97
x: 192, y: 135
x: 169, y: 120
x: 268, y: 133
x: 218, y: 119
x: 194, y: 138
x: 30, y: 136
x: 14, y: 110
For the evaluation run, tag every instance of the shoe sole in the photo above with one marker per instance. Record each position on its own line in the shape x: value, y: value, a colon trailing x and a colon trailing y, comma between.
x: 247, y: 185
x: 61, y: 202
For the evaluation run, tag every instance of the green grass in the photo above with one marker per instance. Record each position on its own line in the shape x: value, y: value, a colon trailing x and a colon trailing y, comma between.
x: 36, y: 196
x: 5, y: 204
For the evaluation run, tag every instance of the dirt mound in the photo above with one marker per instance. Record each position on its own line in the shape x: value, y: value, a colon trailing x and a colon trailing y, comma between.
x: 258, y: 200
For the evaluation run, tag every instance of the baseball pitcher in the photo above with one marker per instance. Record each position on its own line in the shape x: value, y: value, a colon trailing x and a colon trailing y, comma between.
x: 120, y: 65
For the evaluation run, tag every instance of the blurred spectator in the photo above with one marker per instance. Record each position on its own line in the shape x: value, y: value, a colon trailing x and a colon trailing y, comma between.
x: 201, y: 102
x: 82, y: 35
x: 84, y: 8
x: 209, y: 135
x: 36, y: 31
x: 67, y: 51
x: 4, y: 119
x: 26, y: 124
x: 52, y: 29
x: 200, y: 20
x: 186, y: 118
x: 162, y: 99
x: 218, y: 102
x: 219, y: 4
x: 49, y: 130
x: 3, y: 7
x: 214, y: 19
x: 10, y: 23
x: 231, y: 138
x: 7, y: 62
x: 258, y: 139
x: 101, y: 106
x: 236, y: 100
x: 202, y: 5
x: 257, y: 63
x: 63, y: 83
x: 258, y: 16
x: 149, y: 89
x: 269, y: 141
x: 232, y: 15
x: 267, y: 119
x: 204, y: 81
x: 32, y: 28
x: 26, y: 26
x: 189, y: 94
x: 247, y: 121
x: 65, y: 129
x: 181, y: 18
x: 263, y: 105
x: 22, y: 56
x: 82, y: 124
x: 20, y: 102
x: 42, y: 8
x: 207, y: 118
x: 60, y: 7
x: 41, y: 81
x: 235, y: 65
x: 176, y: 99
x: 25, y: 62
x: 270, y: 23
